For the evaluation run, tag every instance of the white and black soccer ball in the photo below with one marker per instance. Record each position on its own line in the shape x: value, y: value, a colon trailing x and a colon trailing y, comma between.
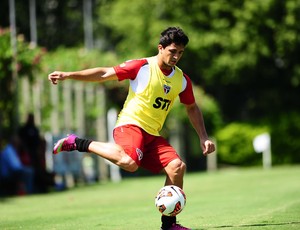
x: 170, y: 200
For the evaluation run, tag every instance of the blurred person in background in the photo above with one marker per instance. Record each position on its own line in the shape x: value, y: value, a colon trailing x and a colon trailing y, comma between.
x: 34, y: 155
x: 15, y: 178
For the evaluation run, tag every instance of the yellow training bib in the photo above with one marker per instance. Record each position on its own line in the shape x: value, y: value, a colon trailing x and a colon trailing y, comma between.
x: 149, y: 107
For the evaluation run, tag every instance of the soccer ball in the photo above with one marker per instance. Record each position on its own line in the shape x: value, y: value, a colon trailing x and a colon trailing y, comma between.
x: 170, y: 200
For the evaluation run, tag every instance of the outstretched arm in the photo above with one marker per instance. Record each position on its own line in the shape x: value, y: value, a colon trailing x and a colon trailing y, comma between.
x: 99, y: 74
x: 196, y: 119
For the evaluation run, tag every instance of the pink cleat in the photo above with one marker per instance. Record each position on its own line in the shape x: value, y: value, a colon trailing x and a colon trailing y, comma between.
x: 177, y: 227
x: 65, y: 144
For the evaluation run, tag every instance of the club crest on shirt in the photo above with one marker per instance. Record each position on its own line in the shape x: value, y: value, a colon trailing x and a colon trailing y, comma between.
x: 167, y: 89
x: 139, y: 153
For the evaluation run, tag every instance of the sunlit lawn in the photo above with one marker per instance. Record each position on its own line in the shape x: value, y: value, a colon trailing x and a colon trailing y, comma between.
x: 227, y: 199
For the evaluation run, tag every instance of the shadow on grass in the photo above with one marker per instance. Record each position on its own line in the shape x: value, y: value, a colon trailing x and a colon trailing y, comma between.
x: 250, y: 225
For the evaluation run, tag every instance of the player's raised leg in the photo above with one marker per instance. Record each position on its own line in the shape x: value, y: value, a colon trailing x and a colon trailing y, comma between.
x: 114, y: 153
x: 109, y: 151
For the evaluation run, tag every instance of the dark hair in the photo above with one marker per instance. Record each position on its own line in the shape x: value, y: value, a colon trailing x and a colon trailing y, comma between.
x: 173, y: 35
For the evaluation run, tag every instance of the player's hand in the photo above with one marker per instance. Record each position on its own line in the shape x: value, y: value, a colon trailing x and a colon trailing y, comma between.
x: 57, y: 76
x: 208, y: 147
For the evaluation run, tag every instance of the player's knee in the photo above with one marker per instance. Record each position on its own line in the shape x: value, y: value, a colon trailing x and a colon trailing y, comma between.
x: 128, y: 164
x: 177, y: 167
x: 132, y: 167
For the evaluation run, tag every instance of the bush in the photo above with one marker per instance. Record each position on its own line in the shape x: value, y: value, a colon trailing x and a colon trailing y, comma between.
x: 285, y: 138
x: 234, y: 144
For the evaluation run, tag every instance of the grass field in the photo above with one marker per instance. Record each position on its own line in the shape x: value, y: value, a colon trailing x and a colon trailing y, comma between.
x: 227, y: 199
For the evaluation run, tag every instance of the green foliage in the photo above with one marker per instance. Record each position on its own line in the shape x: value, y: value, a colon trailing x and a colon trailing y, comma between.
x: 28, y: 61
x: 234, y: 144
x: 210, y: 109
x: 135, y: 27
x: 208, y: 106
x: 28, y: 57
x: 77, y: 58
x: 5, y: 57
x: 285, y: 143
x: 245, y: 52
x: 67, y: 59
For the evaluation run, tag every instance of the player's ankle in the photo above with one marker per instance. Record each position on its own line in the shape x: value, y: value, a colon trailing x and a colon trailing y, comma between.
x: 82, y: 144
x: 167, y: 221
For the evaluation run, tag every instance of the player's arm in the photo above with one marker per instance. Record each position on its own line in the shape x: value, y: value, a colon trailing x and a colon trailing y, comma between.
x: 195, y: 115
x: 196, y: 118
x: 99, y: 74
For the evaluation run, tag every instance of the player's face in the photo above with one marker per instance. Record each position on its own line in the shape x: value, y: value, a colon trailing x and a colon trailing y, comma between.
x: 170, y: 55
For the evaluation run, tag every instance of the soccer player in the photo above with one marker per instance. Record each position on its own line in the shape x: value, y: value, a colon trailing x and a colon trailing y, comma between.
x: 155, y: 83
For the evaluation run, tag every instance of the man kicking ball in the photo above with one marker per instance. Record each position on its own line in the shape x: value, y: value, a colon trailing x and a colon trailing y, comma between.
x: 155, y: 83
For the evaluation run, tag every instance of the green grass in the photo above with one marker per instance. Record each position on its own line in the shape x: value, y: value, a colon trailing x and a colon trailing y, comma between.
x: 227, y: 199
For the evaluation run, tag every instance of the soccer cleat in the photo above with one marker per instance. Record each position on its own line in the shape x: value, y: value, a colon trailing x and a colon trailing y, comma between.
x: 65, y: 144
x: 177, y: 227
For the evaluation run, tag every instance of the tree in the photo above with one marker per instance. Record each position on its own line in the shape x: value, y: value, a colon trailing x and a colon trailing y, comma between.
x: 28, y: 60
x: 244, y: 53
x: 59, y: 23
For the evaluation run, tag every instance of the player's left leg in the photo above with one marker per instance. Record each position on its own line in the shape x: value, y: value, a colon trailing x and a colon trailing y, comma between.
x: 174, y: 176
x: 174, y: 172
x: 160, y: 156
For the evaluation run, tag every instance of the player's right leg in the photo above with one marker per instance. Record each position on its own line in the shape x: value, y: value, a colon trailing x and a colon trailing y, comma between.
x: 114, y: 153
x: 110, y: 151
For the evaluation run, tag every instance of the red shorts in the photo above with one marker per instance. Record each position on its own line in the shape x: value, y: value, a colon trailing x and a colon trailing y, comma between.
x: 150, y: 152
